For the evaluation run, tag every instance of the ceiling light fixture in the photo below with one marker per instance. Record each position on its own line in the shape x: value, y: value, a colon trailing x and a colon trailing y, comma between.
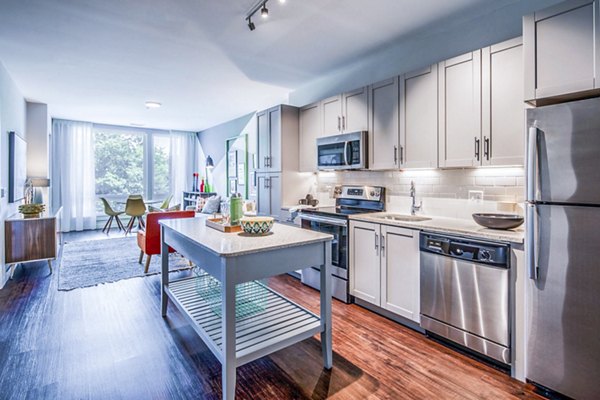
x: 153, y: 104
x: 264, y: 12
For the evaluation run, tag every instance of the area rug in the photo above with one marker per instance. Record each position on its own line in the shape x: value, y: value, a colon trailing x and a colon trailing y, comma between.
x: 92, y: 262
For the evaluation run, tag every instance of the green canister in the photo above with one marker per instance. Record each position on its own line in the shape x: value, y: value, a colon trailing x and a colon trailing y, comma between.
x: 235, y: 209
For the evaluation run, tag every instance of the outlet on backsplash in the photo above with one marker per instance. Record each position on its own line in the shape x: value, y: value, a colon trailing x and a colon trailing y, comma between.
x: 476, y: 196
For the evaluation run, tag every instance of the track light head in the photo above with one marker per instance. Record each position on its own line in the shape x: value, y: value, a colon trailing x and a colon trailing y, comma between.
x: 264, y: 11
x: 251, y: 25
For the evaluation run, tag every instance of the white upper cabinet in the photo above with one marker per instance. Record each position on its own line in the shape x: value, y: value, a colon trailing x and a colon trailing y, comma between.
x: 383, y: 130
x: 419, y: 118
x: 310, y: 130
x: 561, y: 52
x: 503, y: 111
x: 460, y: 111
x: 355, y: 111
x: 344, y: 113
x: 331, y: 111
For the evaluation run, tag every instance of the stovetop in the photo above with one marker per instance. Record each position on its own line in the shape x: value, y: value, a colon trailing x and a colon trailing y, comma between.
x: 336, y: 211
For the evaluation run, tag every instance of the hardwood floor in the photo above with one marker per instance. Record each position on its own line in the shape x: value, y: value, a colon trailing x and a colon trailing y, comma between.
x: 109, y: 342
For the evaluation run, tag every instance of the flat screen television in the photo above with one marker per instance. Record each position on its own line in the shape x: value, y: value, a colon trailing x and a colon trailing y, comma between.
x: 17, y: 167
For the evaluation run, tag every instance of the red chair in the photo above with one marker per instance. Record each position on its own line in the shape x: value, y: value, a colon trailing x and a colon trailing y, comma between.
x: 149, y: 238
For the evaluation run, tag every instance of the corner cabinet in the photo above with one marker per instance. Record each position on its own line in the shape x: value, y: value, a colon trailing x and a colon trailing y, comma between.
x: 383, y: 125
x: 460, y: 111
x: 347, y: 112
x: 310, y: 131
x: 561, y: 46
x: 419, y: 118
x: 384, y: 267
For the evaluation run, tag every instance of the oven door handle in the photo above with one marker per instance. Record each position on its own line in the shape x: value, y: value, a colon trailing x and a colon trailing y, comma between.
x: 325, y: 220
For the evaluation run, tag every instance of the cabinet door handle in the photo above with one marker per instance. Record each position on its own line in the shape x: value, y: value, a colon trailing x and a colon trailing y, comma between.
x: 477, y: 148
x: 268, y: 161
x: 486, y: 147
x: 382, y: 246
x: 343, y: 123
x: 339, y: 123
x: 401, y: 155
x: 395, y: 155
x: 376, y: 244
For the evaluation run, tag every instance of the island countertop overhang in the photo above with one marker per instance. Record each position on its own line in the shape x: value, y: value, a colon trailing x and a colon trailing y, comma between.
x: 234, y: 244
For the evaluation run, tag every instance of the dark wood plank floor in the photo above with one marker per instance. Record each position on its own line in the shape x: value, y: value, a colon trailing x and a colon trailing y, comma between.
x: 109, y: 342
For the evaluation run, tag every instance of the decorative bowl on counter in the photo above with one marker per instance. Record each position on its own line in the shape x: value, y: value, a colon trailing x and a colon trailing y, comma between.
x: 256, y: 225
x: 498, y: 221
x: 31, y: 210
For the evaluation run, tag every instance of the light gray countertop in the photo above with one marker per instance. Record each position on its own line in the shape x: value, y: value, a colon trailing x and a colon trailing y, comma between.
x: 457, y: 226
x: 237, y: 244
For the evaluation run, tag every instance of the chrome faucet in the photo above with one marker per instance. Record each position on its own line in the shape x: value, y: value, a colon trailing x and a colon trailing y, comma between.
x: 413, y: 193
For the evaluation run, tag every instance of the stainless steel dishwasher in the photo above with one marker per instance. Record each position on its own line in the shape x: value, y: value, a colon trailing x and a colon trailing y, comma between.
x: 465, y: 293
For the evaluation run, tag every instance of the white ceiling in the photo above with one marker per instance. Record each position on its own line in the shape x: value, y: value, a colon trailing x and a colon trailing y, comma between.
x: 101, y: 60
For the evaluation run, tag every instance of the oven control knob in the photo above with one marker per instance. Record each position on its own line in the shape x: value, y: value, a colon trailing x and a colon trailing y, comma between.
x: 485, y: 255
x: 372, y: 193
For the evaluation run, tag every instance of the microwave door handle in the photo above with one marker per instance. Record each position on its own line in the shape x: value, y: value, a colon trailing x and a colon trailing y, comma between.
x: 532, y: 161
x: 346, y: 153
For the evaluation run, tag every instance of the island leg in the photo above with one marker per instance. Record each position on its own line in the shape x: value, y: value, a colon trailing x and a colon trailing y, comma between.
x: 164, y: 254
x: 326, y: 333
x: 228, y: 368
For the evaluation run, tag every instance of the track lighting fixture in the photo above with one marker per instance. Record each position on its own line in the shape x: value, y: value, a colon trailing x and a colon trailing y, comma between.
x: 264, y: 12
x: 251, y: 25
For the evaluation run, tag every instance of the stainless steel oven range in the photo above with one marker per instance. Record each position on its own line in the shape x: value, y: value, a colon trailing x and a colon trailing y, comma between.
x: 334, y: 220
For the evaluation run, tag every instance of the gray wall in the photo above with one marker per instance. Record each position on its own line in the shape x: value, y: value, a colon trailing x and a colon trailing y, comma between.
x: 453, y: 36
x: 12, y: 118
x: 212, y: 143
x: 38, y: 130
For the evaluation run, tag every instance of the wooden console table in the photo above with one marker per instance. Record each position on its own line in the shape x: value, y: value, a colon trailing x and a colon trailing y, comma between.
x: 31, y: 239
x: 237, y: 317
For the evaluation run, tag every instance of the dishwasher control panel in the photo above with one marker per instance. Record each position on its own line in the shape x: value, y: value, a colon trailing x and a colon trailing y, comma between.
x: 465, y: 249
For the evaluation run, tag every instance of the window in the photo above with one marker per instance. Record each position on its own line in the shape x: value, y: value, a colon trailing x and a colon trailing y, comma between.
x: 131, y: 162
x: 161, y: 162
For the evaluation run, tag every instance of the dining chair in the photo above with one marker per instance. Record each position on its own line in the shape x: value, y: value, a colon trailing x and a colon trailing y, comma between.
x: 112, y: 215
x: 135, y: 208
x: 148, y: 239
x: 165, y: 204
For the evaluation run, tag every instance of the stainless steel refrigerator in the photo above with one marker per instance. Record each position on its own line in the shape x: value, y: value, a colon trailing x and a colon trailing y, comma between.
x: 563, y: 247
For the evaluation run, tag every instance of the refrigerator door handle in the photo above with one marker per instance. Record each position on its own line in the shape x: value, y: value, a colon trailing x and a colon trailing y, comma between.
x: 532, y: 240
x: 532, y: 155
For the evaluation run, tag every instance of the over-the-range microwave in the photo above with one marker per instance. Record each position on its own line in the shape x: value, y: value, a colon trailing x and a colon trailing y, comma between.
x: 346, y: 151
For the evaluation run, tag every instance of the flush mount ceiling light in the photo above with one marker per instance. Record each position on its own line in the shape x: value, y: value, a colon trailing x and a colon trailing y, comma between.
x: 264, y: 12
x: 153, y: 104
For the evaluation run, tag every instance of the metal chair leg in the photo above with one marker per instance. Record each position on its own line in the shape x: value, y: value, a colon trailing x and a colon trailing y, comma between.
x: 107, y: 224
x: 119, y: 223
x: 141, y: 257
x: 50, y: 265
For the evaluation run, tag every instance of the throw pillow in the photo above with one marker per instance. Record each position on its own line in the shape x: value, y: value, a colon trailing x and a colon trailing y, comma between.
x: 212, y: 205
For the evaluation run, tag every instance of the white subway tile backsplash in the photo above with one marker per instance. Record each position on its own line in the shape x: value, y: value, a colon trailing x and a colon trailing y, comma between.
x: 444, y: 192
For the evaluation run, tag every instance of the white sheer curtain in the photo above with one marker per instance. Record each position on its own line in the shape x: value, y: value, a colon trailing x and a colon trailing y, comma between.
x: 184, y: 162
x: 73, y: 174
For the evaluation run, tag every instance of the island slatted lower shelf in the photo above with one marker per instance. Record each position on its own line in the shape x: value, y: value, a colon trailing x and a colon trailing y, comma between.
x: 265, y: 320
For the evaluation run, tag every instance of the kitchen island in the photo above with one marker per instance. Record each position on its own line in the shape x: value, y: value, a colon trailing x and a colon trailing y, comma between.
x: 239, y: 318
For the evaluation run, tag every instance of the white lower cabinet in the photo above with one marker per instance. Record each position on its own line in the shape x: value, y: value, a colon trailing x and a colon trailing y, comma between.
x: 384, y: 267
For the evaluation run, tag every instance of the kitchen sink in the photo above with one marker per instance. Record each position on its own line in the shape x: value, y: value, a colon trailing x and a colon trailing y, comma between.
x: 402, y: 218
